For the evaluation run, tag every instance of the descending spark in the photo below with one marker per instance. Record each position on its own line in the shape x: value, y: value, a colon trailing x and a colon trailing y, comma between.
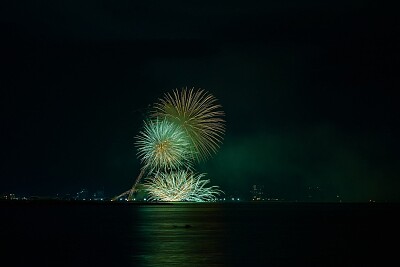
x: 198, y: 113
x: 163, y: 146
x: 181, y: 186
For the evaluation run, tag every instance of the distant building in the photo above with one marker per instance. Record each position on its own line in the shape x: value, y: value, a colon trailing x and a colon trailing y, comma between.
x: 8, y: 196
x: 82, y: 195
x: 98, y: 195
x: 257, y: 192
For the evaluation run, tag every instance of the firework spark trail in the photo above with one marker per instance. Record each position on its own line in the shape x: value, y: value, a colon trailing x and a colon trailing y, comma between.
x: 181, y: 186
x: 198, y: 114
x: 164, y: 146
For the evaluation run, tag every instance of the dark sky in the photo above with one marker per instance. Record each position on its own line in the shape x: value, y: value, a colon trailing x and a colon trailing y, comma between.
x: 308, y: 87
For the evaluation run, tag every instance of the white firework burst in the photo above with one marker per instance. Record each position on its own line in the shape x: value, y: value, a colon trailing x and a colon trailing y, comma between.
x: 181, y: 186
x: 164, y: 146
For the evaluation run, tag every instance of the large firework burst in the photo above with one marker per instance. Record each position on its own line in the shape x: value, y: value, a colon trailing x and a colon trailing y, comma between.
x: 163, y: 146
x: 198, y: 113
x: 181, y: 186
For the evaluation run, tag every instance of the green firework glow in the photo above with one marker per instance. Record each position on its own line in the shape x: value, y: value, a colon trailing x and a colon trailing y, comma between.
x: 164, y: 146
x: 180, y: 186
x: 198, y: 113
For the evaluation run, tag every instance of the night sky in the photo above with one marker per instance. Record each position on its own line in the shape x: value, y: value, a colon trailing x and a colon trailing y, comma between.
x: 308, y: 87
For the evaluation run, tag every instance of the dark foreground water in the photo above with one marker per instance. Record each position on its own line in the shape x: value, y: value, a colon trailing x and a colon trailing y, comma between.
x: 244, y: 234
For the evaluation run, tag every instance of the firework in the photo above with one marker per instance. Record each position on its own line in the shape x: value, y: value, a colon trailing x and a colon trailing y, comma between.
x: 163, y: 146
x: 181, y: 186
x: 198, y: 113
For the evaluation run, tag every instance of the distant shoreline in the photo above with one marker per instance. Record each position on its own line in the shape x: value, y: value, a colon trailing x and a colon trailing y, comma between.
x: 79, y: 202
x: 136, y: 203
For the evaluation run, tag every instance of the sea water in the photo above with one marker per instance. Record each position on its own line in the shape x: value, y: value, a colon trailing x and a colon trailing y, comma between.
x: 193, y: 234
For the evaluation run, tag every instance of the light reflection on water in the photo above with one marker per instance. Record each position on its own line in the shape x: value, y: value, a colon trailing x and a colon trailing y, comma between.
x: 210, y: 234
x: 179, y: 235
x: 259, y: 235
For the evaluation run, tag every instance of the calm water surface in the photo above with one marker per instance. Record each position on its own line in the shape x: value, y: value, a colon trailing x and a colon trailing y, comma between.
x: 244, y: 234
